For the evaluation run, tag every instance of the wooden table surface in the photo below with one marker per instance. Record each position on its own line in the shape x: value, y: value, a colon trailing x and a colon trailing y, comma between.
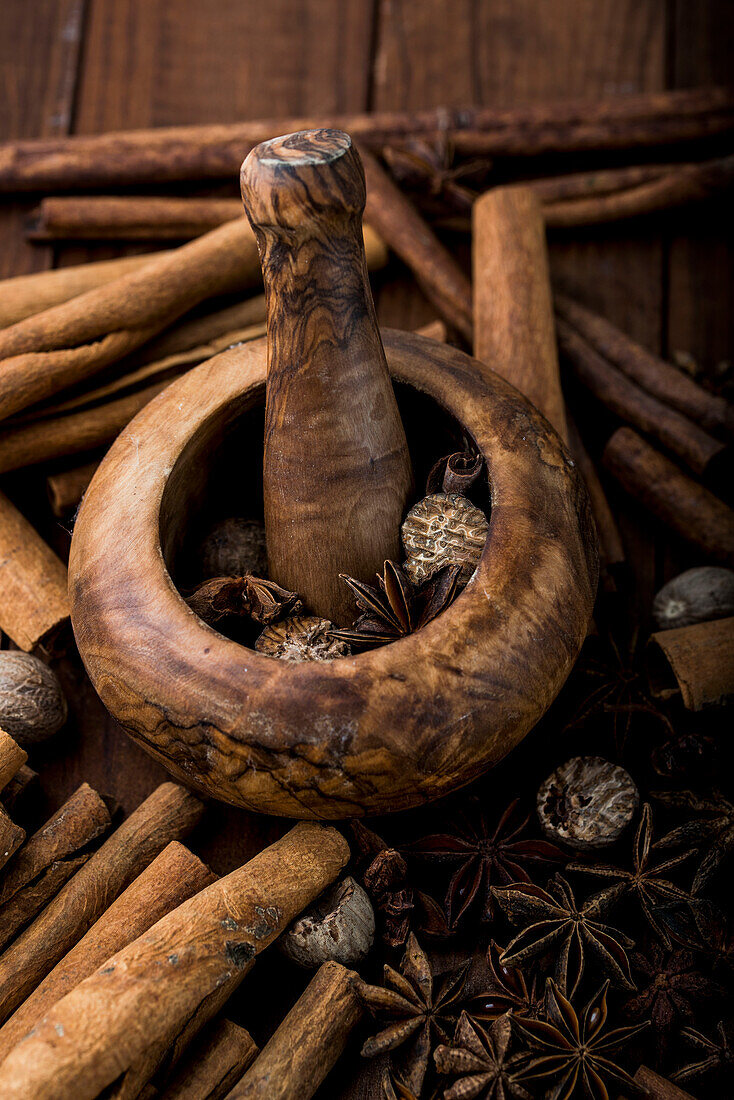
x: 82, y: 66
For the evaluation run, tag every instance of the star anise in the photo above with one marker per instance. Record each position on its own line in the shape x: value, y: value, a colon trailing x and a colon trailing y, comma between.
x: 702, y: 926
x: 718, y: 1054
x: 573, y: 1050
x: 480, y: 1061
x: 509, y: 990
x: 674, y: 985
x: 396, y: 607
x: 620, y: 689
x: 264, y: 601
x: 646, y: 882
x: 553, y: 921
x: 416, y: 1015
x: 716, y: 830
x: 487, y: 855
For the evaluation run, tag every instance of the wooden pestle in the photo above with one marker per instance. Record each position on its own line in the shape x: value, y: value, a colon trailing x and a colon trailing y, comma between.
x: 336, y: 468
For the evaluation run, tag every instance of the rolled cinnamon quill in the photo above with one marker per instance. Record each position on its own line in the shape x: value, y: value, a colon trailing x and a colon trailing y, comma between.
x: 89, y: 1038
x: 682, y: 504
x: 216, y: 151
x: 25, y: 295
x: 50, y: 858
x: 513, y: 308
x: 700, y: 451
x: 690, y: 183
x: 121, y: 217
x: 214, y: 1063
x: 611, y: 548
x: 656, y: 1087
x: 173, y: 876
x: 18, y: 786
x: 649, y: 371
x: 403, y: 229
x: 12, y: 758
x: 697, y: 661
x: 34, y: 607
x: 167, y: 814
x: 66, y: 488
x: 307, y: 1044
x: 11, y: 837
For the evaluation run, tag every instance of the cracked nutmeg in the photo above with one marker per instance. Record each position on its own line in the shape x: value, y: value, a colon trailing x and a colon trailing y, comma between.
x: 587, y: 803
x: 443, y: 529
x: 340, y: 926
x: 302, y: 638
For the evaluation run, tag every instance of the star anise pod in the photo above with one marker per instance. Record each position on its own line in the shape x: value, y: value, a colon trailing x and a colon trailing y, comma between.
x: 647, y: 882
x: 416, y: 1015
x: 509, y: 990
x: 702, y: 926
x: 553, y: 921
x: 572, y: 1050
x: 264, y: 601
x: 718, y: 1054
x: 396, y: 607
x: 674, y: 985
x: 487, y: 855
x: 480, y: 1061
x: 715, y: 830
x: 619, y: 687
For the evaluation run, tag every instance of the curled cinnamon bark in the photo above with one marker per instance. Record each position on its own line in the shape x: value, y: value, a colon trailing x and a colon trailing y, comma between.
x: 696, y: 661
x: 35, y: 606
x: 94, y: 1034
x: 121, y: 217
x: 12, y: 758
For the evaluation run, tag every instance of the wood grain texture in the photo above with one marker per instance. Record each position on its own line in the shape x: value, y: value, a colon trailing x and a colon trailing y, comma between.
x: 380, y: 731
x: 170, y: 812
x: 303, y: 1050
x: 514, y: 329
x: 336, y: 469
x: 35, y: 606
x: 174, y: 875
x: 91, y: 1037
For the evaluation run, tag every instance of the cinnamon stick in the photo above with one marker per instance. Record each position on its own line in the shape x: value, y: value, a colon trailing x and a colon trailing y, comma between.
x: 50, y: 858
x: 33, y: 582
x: 63, y: 345
x: 696, y: 661
x: 682, y: 186
x: 700, y: 451
x: 611, y: 548
x: 174, y: 875
x: 215, y: 1062
x: 600, y: 181
x: 66, y: 488
x: 216, y: 151
x: 11, y: 837
x: 12, y: 758
x: 656, y: 1087
x: 130, y: 218
x: 168, y: 813
x: 402, y: 228
x: 513, y: 307
x: 18, y: 786
x: 57, y: 436
x: 90, y: 1038
x: 653, y: 374
x: 309, y: 1041
x: 663, y: 489
x: 25, y: 295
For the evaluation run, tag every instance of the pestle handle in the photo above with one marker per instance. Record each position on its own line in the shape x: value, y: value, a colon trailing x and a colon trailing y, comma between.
x: 336, y: 469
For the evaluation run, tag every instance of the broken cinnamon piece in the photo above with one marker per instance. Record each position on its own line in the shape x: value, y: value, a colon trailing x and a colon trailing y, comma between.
x: 12, y: 758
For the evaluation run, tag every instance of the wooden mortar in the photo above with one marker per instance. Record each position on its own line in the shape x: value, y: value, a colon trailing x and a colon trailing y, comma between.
x: 381, y: 731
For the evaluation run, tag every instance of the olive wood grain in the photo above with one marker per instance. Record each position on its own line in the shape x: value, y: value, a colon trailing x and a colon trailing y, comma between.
x: 381, y: 731
x: 336, y: 468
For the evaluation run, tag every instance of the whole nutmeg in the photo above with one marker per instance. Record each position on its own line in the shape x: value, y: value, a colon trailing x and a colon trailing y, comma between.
x: 32, y: 704
x: 696, y: 596
x: 232, y: 548
x: 340, y: 927
x: 587, y: 803
x: 443, y: 529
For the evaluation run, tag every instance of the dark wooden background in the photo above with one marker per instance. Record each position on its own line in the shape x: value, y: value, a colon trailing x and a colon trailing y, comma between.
x: 82, y: 66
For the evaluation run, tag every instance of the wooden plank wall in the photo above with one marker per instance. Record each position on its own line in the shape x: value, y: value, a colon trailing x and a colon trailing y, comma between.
x: 91, y: 65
